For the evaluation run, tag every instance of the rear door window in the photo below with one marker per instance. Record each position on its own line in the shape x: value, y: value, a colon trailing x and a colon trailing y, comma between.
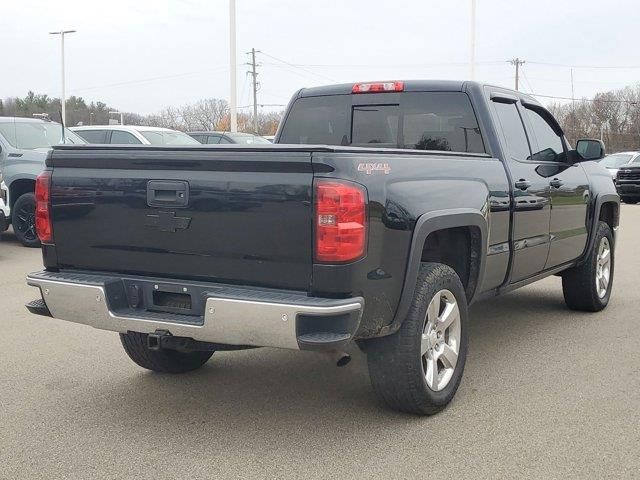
x: 322, y: 120
x: 513, y: 130
x: 121, y: 137
x: 93, y: 136
x: 440, y: 121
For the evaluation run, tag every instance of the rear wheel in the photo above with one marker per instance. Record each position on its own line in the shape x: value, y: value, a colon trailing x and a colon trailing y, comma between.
x: 418, y: 369
x: 163, y: 360
x: 23, y: 218
x: 631, y: 201
x: 588, y: 287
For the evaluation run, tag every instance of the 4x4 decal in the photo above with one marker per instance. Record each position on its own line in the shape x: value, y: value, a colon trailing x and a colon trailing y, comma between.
x: 369, y: 168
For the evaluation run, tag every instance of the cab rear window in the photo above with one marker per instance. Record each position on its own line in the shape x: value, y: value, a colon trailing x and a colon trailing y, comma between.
x: 416, y: 120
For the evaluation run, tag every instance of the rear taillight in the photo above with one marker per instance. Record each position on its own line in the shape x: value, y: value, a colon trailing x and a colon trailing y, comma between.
x: 378, y: 87
x: 43, y: 214
x: 340, y: 221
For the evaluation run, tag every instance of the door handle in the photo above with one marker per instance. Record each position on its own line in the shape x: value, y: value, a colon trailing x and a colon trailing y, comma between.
x: 167, y: 193
x: 556, y: 183
x: 523, y: 184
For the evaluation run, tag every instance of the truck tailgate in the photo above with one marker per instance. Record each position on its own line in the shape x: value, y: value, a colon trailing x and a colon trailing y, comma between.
x: 228, y: 215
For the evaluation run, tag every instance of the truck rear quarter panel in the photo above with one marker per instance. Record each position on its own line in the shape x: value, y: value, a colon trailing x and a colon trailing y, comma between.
x: 401, y: 189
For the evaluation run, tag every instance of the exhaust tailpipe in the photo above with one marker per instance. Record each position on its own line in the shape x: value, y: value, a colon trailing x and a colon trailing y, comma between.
x: 340, y: 359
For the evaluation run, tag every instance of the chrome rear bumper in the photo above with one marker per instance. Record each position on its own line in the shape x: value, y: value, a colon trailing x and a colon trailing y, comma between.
x: 232, y: 315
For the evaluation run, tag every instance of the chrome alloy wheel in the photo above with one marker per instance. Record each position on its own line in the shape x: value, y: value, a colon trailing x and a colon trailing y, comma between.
x: 603, y: 267
x: 440, y: 340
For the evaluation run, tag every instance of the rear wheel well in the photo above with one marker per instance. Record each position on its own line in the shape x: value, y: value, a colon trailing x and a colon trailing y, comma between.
x: 610, y: 214
x: 19, y: 188
x: 458, y: 248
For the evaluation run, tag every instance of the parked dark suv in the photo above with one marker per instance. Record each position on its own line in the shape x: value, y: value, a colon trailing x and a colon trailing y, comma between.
x: 628, y: 183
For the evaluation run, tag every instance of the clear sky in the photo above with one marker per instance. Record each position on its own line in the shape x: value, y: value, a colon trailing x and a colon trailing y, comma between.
x: 143, y: 55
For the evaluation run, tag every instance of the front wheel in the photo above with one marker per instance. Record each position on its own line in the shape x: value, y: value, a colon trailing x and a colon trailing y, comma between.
x: 588, y: 287
x: 418, y: 369
x: 23, y: 218
x: 631, y: 201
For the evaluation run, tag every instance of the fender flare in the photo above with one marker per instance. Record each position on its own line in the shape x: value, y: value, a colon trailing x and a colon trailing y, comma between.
x: 600, y: 200
x: 425, y: 225
x: 14, y: 179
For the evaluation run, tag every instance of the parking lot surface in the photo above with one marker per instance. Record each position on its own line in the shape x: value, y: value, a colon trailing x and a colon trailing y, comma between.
x: 547, y: 393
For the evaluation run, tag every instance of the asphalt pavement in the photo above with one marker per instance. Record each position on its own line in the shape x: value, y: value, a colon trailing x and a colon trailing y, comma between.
x: 547, y: 393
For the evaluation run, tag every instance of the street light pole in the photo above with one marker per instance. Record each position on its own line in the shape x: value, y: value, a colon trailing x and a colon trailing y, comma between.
x: 472, y: 42
x: 121, y: 116
x: 63, y: 99
x: 232, y: 66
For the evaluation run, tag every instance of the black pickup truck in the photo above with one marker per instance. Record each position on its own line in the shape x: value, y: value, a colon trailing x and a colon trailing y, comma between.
x: 382, y: 212
x: 628, y: 183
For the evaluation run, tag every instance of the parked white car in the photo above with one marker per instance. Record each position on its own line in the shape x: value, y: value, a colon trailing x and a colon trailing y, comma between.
x: 132, y: 134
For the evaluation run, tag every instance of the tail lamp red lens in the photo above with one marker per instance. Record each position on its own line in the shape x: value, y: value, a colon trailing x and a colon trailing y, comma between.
x: 340, y: 221
x: 43, y: 213
x: 378, y: 87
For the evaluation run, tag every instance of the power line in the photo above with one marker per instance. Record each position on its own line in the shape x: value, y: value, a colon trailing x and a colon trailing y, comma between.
x: 526, y: 79
x: 619, y: 67
x: 264, y: 105
x: 584, y: 99
x: 389, y: 65
x: 299, y: 67
x: 151, y: 79
x: 299, y: 73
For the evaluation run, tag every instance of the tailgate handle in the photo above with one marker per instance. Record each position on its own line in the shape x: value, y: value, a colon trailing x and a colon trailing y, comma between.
x: 164, y: 193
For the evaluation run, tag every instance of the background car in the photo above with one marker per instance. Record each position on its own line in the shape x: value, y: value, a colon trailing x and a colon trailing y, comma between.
x: 132, y: 135
x: 24, y: 144
x: 614, y: 161
x: 228, y: 137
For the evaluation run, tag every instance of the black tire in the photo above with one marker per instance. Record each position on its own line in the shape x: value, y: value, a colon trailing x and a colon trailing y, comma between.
x: 630, y: 201
x: 23, y: 218
x: 164, y: 361
x: 579, y: 283
x: 395, y: 362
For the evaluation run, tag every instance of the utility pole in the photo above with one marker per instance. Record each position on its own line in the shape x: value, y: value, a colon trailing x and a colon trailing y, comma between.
x: 254, y: 75
x: 63, y: 99
x: 472, y: 46
x: 517, y: 63
x: 233, y: 107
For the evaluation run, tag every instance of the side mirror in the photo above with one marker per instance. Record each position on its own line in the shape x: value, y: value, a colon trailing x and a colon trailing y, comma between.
x: 590, y: 149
